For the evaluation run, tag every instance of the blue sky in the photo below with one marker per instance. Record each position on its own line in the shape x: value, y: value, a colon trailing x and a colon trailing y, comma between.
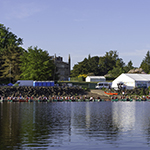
x: 81, y: 27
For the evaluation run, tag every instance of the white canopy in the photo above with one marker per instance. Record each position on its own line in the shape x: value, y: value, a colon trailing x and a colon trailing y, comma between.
x: 131, y: 80
x: 139, y: 77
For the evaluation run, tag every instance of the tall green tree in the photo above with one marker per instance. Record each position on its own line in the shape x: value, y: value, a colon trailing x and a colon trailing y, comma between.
x: 108, y: 62
x: 93, y: 65
x: 117, y: 69
x: 128, y: 67
x: 87, y: 66
x: 9, y: 47
x: 80, y: 68
x: 36, y: 65
x: 11, y: 65
x: 145, y: 65
x: 7, y: 38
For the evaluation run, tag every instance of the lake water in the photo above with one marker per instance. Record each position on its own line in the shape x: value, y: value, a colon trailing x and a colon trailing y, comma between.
x: 75, y: 125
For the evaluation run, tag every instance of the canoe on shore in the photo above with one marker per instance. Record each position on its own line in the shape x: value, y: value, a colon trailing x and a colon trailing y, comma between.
x: 110, y: 93
x: 22, y: 100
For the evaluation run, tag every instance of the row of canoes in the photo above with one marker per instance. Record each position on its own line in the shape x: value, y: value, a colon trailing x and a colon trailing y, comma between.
x: 14, y: 100
x: 123, y: 100
x: 129, y: 100
x: 55, y: 100
x: 75, y: 100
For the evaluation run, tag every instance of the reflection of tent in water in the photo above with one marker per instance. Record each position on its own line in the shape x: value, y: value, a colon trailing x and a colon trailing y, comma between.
x: 10, y: 84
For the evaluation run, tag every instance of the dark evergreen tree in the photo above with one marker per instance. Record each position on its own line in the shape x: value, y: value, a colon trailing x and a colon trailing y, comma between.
x: 145, y: 65
x: 93, y: 65
x: 128, y: 67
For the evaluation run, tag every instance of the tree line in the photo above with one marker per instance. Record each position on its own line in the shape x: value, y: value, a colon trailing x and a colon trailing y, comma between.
x: 17, y: 63
x: 36, y: 64
x: 110, y: 65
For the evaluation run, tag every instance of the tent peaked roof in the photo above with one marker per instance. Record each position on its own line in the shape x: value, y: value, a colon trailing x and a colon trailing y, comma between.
x: 96, y: 77
x: 139, y: 77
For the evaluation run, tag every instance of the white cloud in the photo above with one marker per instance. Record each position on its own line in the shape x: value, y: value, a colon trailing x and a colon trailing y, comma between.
x: 134, y: 53
x: 21, y: 9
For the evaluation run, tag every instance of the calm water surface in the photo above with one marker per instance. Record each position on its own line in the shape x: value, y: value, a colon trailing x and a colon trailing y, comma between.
x: 75, y: 125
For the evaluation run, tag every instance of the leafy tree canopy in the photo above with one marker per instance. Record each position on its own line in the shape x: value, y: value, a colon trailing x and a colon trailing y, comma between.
x: 86, y: 66
x: 107, y: 62
x: 36, y: 65
x: 9, y: 55
x: 10, y: 68
x: 7, y: 38
x: 110, y: 64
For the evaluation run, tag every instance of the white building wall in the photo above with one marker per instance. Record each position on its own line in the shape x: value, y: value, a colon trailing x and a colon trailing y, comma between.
x: 95, y: 79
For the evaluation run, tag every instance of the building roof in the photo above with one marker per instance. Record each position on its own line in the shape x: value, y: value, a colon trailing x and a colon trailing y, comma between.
x: 139, y: 77
x: 96, y: 77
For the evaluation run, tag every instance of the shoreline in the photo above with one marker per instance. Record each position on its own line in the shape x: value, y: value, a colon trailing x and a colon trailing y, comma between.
x: 74, y: 93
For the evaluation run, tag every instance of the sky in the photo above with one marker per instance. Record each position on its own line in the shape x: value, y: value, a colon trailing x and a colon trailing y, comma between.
x: 81, y: 27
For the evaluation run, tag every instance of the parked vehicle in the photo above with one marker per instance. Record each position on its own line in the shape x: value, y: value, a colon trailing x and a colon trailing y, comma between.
x: 101, y: 85
x: 24, y: 83
x: 34, y: 83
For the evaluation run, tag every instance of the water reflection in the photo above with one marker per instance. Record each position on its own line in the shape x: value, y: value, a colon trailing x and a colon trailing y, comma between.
x: 94, y: 120
x: 123, y: 115
x: 74, y: 125
x: 143, y: 120
x: 87, y: 115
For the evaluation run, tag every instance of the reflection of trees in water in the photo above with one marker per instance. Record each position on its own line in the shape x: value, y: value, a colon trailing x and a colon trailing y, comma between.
x: 94, y: 120
x: 53, y: 121
x: 53, y: 124
x: 33, y: 124
x: 8, y: 125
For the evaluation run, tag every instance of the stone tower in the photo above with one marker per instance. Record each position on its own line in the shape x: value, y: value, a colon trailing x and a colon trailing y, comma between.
x: 63, y: 68
x: 69, y: 63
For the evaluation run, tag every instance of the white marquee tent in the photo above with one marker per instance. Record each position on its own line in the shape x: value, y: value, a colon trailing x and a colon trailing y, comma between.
x: 132, y: 80
x: 95, y: 79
